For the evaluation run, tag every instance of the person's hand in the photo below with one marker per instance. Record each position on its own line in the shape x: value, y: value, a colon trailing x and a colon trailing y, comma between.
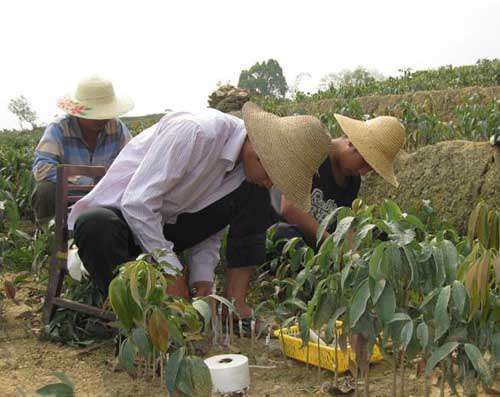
x: 177, y: 286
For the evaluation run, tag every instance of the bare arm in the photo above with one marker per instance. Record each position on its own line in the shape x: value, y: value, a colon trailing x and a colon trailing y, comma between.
x: 304, y: 221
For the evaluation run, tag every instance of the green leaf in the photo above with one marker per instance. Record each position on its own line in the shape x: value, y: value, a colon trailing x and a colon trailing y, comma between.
x: 202, y: 381
x: 358, y: 304
x: 458, y: 296
x: 441, y: 316
x: 375, y: 261
x: 399, y: 317
x: 141, y: 340
x: 184, y: 381
x: 423, y: 334
x: 392, y: 209
x: 342, y: 228
x: 119, y: 302
x: 126, y: 355
x: 406, y: 334
x: 386, y: 305
x: 203, y: 308
x: 450, y: 260
x: 325, y: 223
x: 480, y: 365
x: 324, y: 310
x: 429, y: 297
x: 172, y: 369
x: 56, y: 390
x: 359, y: 237
x: 376, y: 289
x: 440, y: 354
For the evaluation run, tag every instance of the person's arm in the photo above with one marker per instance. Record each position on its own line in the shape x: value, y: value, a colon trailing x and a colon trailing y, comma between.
x: 48, y: 154
x: 303, y: 220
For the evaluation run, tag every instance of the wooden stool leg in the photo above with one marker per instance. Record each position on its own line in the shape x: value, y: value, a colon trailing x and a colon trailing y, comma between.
x: 56, y: 278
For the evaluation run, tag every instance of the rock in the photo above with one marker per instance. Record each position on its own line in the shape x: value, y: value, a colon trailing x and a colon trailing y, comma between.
x: 228, y: 98
x: 453, y: 175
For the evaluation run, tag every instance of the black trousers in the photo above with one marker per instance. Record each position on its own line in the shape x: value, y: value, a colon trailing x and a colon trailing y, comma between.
x: 105, y: 240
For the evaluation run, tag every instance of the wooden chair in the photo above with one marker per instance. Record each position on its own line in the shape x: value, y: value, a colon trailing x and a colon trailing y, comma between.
x: 66, y: 195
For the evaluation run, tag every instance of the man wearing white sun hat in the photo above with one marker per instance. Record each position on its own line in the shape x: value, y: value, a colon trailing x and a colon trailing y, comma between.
x: 177, y: 185
x: 367, y: 146
x: 89, y: 134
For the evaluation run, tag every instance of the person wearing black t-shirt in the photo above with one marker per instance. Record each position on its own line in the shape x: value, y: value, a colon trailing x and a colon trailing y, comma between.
x: 366, y: 146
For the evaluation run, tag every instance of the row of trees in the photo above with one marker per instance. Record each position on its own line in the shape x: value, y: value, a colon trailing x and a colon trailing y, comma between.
x: 266, y: 78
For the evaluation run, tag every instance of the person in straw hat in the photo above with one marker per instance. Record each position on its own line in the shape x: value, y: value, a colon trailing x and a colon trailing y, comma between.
x: 176, y: 186
x: 366, y: 146
x: 89, y: 134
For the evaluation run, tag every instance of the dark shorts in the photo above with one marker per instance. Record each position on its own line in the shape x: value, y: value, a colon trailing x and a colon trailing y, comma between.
x: 105, y: 240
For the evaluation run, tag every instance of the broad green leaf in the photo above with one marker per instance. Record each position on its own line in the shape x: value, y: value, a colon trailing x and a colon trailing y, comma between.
x: 325, y: 223
x: 412, y: 263
x: 375, y: 261
x: 172, y: 369
x: 324, y: 310
x: 450, y: 260
x: 406, y: 334
x: 360, y: 236
x: 358, y: 303
x: 342, y: 228
x: 393, y: 211
x: 296, y: 303
x: 386, y: 305
x: 126, y: 355
x: 200, y: 374
x: 118, y: 298
x: 56, y: 390
x: 423, y: 334
x: 441, y: 316
x: 184, y: 381
x: 415, y: 222
x: 141, y: 340
x: 399, y: 317
x: 480, y: 365
x: 225, y: 301
x: 429, y: 297
x: 458, y: 296
x: 440, y: 354
x: 376, y: 289
x: 203, y: 308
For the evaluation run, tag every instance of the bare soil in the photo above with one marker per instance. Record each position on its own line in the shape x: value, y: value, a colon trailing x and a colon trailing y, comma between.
x: 27, y: 361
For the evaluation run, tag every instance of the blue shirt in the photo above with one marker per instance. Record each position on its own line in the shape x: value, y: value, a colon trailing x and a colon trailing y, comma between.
x: 62, y: 143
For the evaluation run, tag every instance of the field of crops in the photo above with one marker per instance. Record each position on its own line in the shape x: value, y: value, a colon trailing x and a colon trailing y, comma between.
x: 426, y: 296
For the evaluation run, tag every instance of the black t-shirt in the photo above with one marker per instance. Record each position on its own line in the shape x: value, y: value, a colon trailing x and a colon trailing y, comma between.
x: 326, y: 195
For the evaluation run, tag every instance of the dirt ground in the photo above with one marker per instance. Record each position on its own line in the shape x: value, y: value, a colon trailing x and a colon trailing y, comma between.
x: 27, y: 361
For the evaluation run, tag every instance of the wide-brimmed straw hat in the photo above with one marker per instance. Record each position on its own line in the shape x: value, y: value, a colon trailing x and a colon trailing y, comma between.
x: 95, y: 99
x: 291, y: 149
x: 378, y: 140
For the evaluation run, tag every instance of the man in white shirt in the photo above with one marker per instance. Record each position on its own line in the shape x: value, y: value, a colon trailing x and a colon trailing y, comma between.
x: 177, y: 185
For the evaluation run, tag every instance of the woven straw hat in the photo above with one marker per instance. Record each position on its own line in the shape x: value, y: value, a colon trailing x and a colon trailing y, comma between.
x: 378, y: 140
x: 95, y: 99
x: 291, y: 149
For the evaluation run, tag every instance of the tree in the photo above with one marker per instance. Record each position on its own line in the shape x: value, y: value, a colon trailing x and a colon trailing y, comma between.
x: 21, y: 108
x: 358, y: 76
x: 266, y: 78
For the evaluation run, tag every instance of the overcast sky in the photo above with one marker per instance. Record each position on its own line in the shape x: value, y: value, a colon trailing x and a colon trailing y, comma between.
x: 171, y: 54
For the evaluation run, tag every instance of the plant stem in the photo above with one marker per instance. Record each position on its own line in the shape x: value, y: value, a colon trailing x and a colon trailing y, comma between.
x: 367, y: 381
x: 402, y: 373
x: 336, y: 356
x: 394, y: 370
x: 442, y: 381
x: 319, y: 362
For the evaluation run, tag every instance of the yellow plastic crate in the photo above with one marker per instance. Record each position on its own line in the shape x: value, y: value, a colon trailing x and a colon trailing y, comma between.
x: 292, y: 347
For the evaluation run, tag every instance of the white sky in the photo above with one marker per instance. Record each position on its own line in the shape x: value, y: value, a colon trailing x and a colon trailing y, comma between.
x: 171, y: 54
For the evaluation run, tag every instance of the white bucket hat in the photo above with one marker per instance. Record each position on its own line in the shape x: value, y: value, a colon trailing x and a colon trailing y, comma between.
x: 95, y: 99
x: 378, y: 140
x: 291, y: 149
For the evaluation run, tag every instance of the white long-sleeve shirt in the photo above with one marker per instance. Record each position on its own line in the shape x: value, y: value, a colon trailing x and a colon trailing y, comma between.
x: 180, y: 165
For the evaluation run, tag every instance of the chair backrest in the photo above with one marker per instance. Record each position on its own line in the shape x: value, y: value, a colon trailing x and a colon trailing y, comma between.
x: 68, y: 194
